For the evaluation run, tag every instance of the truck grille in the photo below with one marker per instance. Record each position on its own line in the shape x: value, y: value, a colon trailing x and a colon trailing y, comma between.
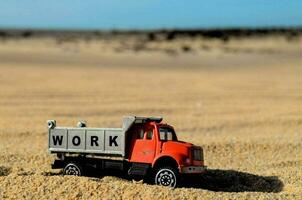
x: 197, y: 154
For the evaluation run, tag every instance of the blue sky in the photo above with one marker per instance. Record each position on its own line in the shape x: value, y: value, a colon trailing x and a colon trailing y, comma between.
x: 149, y: 14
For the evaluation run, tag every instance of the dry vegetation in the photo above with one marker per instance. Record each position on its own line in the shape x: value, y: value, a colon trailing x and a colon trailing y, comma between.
x: 242, y: 105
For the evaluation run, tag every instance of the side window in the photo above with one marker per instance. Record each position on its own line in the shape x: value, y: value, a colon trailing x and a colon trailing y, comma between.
x: 166, y: 134
x: 162, y: 135
x: 144, y: 133
x: 149, y: 134
x: 140, y: 134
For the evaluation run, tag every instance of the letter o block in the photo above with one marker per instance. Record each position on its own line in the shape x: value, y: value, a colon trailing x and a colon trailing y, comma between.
x: 76, y: 139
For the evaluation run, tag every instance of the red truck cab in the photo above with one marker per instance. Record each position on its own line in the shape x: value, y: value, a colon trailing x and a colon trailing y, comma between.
x: 156, y: 144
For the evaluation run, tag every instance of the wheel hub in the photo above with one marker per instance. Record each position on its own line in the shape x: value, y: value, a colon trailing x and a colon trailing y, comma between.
x: 166, y: 178
x: 72, y: 170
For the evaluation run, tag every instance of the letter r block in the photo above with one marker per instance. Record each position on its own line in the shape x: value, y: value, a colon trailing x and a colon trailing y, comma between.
x: 95, y: 140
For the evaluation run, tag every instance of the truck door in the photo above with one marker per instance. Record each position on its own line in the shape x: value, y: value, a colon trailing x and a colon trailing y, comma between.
x: 144, y: 145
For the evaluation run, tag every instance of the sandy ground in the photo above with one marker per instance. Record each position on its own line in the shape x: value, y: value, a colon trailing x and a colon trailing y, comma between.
x: 240, y: 100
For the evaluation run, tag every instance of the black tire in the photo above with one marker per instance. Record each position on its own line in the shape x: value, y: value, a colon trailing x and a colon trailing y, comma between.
x: 166, y: 176
x: 73, y: 169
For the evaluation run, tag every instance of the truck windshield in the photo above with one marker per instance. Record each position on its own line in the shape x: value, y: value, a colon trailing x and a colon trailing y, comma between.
x: 167, y: 134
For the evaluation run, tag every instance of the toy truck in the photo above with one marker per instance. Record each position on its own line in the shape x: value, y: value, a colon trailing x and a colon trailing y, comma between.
x: 143, y: 147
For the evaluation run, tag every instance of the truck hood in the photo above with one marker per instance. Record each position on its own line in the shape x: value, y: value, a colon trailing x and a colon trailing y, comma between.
x: 187, y: 144
x: 177, y: 146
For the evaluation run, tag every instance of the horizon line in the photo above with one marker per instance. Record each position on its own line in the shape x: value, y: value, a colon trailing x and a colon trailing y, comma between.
x: 273, y: 27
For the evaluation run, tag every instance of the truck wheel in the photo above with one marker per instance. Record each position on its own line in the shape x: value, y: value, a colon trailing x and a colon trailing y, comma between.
x: 73, y: 169
x: 166, y: 176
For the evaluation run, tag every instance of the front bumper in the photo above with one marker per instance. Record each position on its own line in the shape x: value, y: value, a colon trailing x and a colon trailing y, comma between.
x: 193, y: 169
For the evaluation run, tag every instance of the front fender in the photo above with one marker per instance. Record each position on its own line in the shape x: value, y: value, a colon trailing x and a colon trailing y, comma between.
x: 178, y: 158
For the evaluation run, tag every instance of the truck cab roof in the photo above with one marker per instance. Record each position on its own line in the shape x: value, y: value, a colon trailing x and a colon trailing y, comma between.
x: 128, y: 121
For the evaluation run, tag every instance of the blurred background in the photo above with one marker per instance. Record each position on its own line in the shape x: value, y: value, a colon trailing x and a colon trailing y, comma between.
x: 226, y: 74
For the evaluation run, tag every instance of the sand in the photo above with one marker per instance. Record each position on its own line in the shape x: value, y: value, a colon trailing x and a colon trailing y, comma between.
x: 240, y: 100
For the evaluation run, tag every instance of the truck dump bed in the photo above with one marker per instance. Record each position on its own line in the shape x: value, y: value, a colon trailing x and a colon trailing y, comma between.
x: 86, y: 140
x: 105, y: 141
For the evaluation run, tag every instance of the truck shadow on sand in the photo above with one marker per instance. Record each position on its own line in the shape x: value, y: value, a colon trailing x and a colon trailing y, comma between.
x: 234, y: 181
x: 214, y: 180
